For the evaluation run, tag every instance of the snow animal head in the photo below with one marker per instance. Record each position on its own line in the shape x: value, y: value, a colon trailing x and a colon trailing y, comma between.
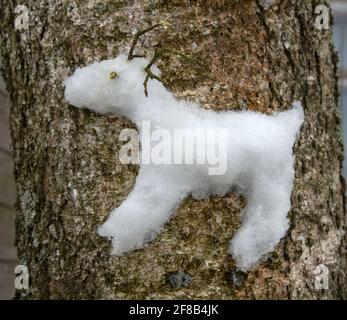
x: 109, y: 85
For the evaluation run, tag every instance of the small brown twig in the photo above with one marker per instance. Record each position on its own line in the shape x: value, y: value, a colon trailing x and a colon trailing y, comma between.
x: 150, y: 74
x: 138, y: 34
x: 159, y: 52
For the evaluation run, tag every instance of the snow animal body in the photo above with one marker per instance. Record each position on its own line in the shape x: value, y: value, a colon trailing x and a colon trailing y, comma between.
x: 260, y: 159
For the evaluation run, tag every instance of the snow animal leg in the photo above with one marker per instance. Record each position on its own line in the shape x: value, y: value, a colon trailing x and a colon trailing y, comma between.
x: 144, y: 212
x: 264, y: 220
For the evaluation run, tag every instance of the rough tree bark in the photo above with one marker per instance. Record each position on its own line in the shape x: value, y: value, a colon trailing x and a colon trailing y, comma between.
x: 69, y: 178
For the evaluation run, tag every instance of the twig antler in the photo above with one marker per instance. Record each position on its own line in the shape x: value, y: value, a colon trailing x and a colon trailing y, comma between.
x: 138, y: 34
x: 150, y: 75
x: 159, y: 52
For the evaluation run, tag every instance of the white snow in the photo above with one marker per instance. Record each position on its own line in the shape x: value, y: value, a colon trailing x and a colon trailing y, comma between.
x: 260, y: 160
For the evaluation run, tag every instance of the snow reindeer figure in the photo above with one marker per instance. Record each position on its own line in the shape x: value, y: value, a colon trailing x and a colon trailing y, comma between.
x: 259, y: 157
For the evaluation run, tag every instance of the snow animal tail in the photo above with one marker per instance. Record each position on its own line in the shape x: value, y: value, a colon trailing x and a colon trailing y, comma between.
x: 292, y: 119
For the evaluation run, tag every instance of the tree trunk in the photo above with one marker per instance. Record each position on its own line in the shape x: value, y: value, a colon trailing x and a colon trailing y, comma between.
x: 255, y: 56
